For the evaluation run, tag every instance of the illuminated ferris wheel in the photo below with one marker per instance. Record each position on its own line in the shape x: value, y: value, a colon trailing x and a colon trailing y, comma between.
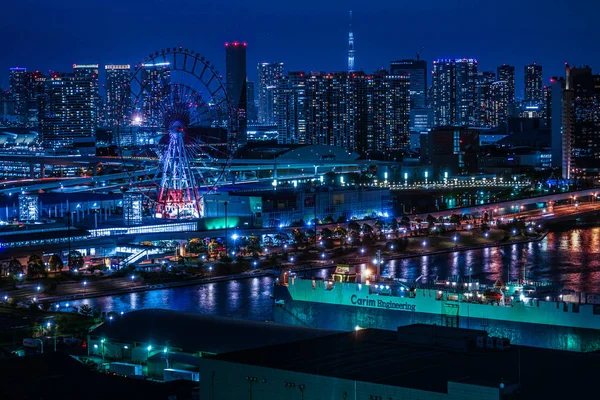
x: 176, y: 138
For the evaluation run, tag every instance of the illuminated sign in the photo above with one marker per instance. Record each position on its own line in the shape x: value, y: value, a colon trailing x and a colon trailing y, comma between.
x: 390, y: 304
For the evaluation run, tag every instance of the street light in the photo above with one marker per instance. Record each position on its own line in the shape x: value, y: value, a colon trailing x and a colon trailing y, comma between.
x: 102, y: 341
x: 48, y: 327
x: 132, y: 279
x: 84, y: 286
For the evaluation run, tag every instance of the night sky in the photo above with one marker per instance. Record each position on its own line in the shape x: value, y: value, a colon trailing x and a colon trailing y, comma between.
x: 305, y: 35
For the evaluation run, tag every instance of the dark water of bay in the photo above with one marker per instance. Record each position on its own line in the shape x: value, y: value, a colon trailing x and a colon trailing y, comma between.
x: 571, y: 258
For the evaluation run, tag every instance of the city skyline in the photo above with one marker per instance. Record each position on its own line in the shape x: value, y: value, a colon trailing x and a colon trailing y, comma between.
x: 378, y: 38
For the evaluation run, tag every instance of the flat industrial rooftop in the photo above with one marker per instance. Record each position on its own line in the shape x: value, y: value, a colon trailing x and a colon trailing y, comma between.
x: 199, y: 332
x: 376, y: 356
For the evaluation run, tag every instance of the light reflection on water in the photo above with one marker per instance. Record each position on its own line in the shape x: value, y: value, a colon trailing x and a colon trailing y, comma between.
x: 572, y: 258
x: 247, y: 298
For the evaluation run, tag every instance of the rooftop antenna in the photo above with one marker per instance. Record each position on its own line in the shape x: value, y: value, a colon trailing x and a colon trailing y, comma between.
x: 419, y: 53
x: 350, y: 46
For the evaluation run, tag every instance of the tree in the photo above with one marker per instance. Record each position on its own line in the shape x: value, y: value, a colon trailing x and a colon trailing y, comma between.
x: 254, y: 244
x: 366, y: 228
x: 340, y: 232
x: 329, y: 220
x: 378, y: 225
x: 353, y: 226
x: 14, y: 266
x: 75, y: 260
x: 326, y: 233
x: 55, y: 263
x: 195, y: 246
x: 431, y: 219
x: 455, y: 219
x: 35, y: 266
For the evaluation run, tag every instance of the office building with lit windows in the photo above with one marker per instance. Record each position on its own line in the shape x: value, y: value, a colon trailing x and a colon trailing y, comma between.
x: 118, y: 97
x: 533, y: 84
x: 155, y: 77
x: 581, y: 124
x: 252, y: 111
x: 267, y: 74
x: 17, y: 87
x: 455, y: 91
x: 291, y: 109
x: 506, y: 73
x: 235, y: 65
x: 416, y: 70
x: 89, y: 73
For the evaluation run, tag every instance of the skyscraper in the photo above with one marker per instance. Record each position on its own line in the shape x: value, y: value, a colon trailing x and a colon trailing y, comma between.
x: 350, y: 47
x: 67, y: 112
x: 235, y: 63
x: 251, y: 103
x: 455, y: 91
x: 89, y: 73
x: 291, y: 108
x: 506, y: 73
x: 484, y: 97
x: 416, y: 70
x: 557, y: 87
x: 118, y: 97
x: 533, y: 84
x: 267, y: 74
x: 156, y: 77
x: 581, y: 130
x: 17, y: 87
x: 362, y: 113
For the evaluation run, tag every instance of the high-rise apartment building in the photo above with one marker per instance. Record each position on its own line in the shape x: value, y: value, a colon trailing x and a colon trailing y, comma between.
x: 268, y: 74
x: 557, y: 87
x: 89, y: 73
x: 118, y: 95
x: 291, y: 108
x: 360, y: 112
x: 18, y: 90
x: 156, y: 78
x: 493, y: 99
x: 506, y: 73
x: 416, y: 70
x: 252, y: 112
x: 455, y: 91
x: 235, y: 64
x: 67, y: 112
x: 533, y: 84
x: 581, y: 127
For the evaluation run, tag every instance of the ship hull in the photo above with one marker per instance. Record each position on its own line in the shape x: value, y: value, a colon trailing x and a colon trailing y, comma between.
x: 345, y: 318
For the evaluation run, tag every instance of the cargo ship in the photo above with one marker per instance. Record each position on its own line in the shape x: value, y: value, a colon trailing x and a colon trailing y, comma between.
x: 527, y: 313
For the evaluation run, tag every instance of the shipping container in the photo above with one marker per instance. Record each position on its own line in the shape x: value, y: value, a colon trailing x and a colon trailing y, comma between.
x: 126, y: 369
x: 181, y: 374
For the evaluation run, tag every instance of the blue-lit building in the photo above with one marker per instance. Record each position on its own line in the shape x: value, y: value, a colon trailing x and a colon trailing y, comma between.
x: 416, y: 70
x: 455, y: 92
x: 67, y: 110
x: 268, y: 73
x: 533, y: 84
